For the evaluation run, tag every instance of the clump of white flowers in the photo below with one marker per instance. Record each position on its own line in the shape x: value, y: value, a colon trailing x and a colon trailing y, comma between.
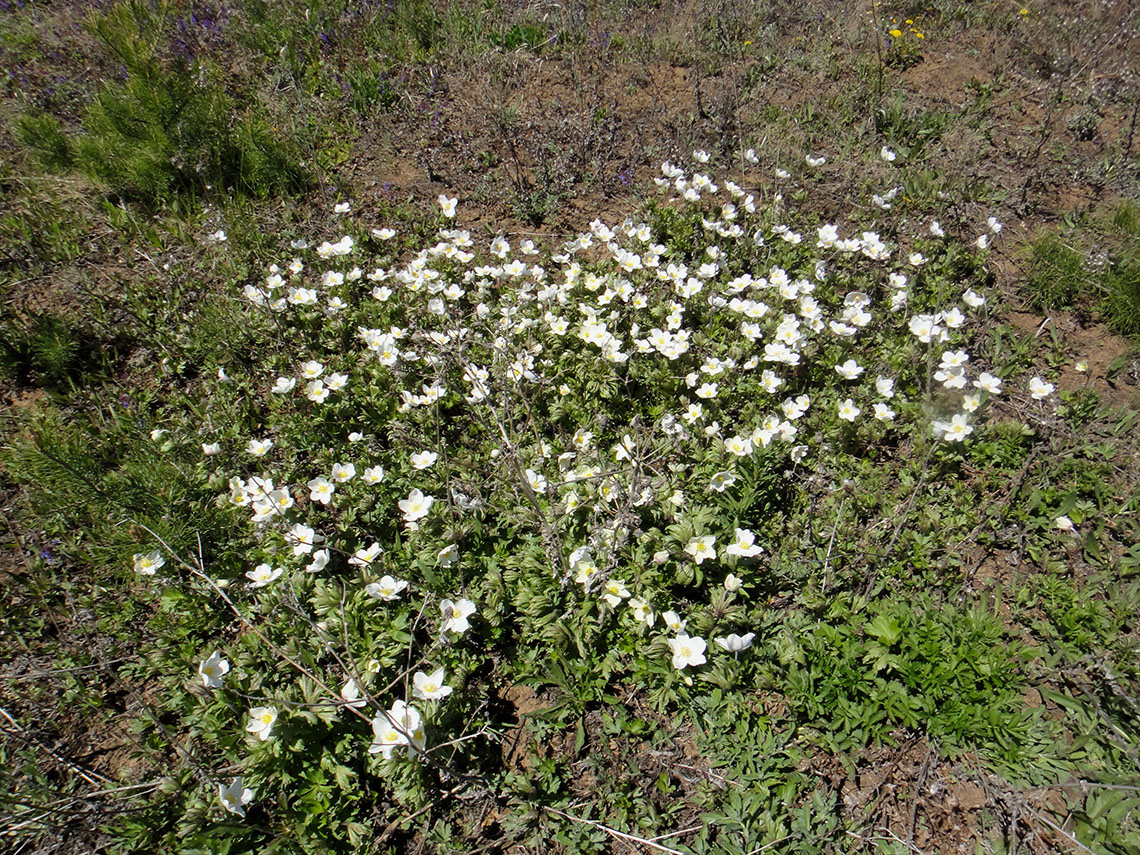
x: 764, y: 344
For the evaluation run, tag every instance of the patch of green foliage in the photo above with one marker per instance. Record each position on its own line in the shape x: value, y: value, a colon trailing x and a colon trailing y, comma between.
x: 167, y: 127
x: 1093, y: 266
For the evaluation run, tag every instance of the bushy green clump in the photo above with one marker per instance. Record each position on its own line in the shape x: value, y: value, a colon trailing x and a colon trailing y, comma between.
x: 167, y: 127
x: 605, y: 468
x: 580, y: 454
x: 1095, y: 266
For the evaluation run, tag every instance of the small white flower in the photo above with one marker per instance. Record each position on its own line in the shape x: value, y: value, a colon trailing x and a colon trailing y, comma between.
x: 744, y: 546
x: 416, y: 506
x: 365, y: 555
x: 387, y: 589
x: 1063, y: 523
x: 721, y: 481
x: 259, y: 447
x: 536, y: 481
x: 302, y: 538
x: 1039, y: 389
x: 955, y: 430
x: 430, y: 687
x: 988, y: 383
x: 741, y: 446
x: 673, y: 622
x: 702, y: 548
x: 261, y: 721
x: 148, y: 563
x: 235, y: 796
x: 319, y: 562
x: 399, y: 727
x: 447, y: 206
x: 263, y: 574
x: 212, y: 669
x: 687, y: 651
x: 734, y: 643
x: 455, y: 615
x: 316, y: 391
x: 350, y: 693
x: 321, y: 490
x: 848, y: 411
x: 423, y: 459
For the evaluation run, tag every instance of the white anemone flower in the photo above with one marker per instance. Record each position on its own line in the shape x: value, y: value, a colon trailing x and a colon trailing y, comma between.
x: 263, y: 574
x: 350, y: 694
x: 235, y: 796
x: 259, y: 447
x: 848, y: 411
x: 212, y: 670
x: 744, y: 546
x: 148, y: 563
x: 365, y: 556
x: 687, y: 651
x: 343, y: 472
x: 319, y: 562
x: 430, y: 687
x: 302, y: 538
x: 399, y: 727
x: 955, y: 430
x: 261, y: 721
x: 456, y: 614
x: 387, y: 589
x: 423, y: 459
x: 321, y: 490
x: 416, y: 506
x: 734, y: 643
x: 1039, y: 389
x: 721, y: 481
x: 702, y: 548
x: 673, y: 622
